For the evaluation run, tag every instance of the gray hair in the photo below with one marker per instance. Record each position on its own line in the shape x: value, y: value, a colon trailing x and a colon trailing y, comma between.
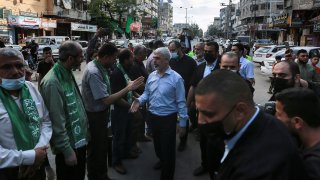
x: 201, y: 44
x: 231, y: 55
x: 69, y: 48
x: 11, y: 53
x: 139, y: 49
x: 164, y: 52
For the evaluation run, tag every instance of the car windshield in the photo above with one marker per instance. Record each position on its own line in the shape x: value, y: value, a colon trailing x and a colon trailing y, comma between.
x: 42, y: 41
x: 263, y: 49
x: 263, y: 41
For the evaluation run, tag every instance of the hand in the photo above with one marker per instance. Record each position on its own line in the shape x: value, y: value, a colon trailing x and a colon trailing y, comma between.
x: 41, y: 154
x: 133, y: 85
x: 134, y: 106
x: 182, y: 131
x: 303, y: 83
x: 71, y: 160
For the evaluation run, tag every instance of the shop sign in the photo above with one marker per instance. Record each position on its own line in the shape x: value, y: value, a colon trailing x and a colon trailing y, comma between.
x: 4, y: 28
x: 3, y: 22
x: 48, y: 23
x: 83, y: 27
x: 30, y: 14
x: 280, y: 20
x: 23, y: 21
x: 316, y: 27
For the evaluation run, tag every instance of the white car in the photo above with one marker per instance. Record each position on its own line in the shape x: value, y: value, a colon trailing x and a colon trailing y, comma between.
x: 265, y: 52
x: 14, y: 46
x: 266, y: 65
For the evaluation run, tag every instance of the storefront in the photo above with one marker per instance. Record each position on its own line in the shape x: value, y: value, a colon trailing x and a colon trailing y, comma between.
x: 23, y: 28
x: 5, y: 32
x: 48, y: 26
x: 71, y: 29
x: 280, y: 23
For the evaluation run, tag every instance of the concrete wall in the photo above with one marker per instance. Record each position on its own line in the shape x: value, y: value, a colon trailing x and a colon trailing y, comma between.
x: 34, y: 6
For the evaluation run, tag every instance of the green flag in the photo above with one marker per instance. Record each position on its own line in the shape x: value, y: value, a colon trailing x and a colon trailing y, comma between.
x: 129, y: 22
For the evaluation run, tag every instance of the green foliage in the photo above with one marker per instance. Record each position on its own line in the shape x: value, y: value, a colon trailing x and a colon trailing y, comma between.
x: 214, y: 31
x: 196, y: 30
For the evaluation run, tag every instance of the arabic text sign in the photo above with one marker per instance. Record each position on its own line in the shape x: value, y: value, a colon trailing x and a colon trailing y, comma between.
x: 83, y: 27
x: 23, y: 21
x: 48, y: 23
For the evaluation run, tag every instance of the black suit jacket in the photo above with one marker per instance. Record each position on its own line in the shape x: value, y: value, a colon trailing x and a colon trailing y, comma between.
x: 198, y: 74
x: 264, y: 152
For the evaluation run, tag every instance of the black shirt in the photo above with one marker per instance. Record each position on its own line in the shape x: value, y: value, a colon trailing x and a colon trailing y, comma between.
x: 311, y: 159
x: 138, y: 69
x: 117, y: 81
x: 185, y: 67
x: 44, y: 68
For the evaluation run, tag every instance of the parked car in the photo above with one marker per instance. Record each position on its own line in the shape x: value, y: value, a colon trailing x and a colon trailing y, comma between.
x: 14, y: 46
x: 265, y: 52
x: 49, y: 41
x: 260, y: 43
x: 266, y: 66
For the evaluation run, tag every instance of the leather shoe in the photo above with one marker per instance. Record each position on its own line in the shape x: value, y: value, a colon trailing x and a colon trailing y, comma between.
x: 119, y: 168
x: 199, y: 171
x: 157, y: 166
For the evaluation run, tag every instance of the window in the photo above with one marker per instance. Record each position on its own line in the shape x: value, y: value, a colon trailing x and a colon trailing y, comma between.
x: 263, y: 6
x: 279, y: 7
x: 4, y: 13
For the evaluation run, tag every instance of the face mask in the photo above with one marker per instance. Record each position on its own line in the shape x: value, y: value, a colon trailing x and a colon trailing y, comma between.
x: 216, y: 129
x: 209, y: 57
x: 174, y: 56
x: 281, y: 84
x: 12, y: 84
x: 234, y: 70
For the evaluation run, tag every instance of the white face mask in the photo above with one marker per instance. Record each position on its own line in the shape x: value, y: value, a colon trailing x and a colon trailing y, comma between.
x: 234, y: 70
x: 12, y: 84
x: 174, y: 55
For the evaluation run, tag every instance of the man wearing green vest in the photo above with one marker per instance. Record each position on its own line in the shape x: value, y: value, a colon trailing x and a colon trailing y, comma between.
x: 97, y: 97
x: 67, y: 113
x: 25, y: 127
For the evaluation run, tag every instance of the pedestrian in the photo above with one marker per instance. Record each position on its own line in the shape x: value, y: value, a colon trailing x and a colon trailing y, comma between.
x: 33, y: 46
x: 278, y: 60
x: 165, y: 93
x: 185, y: 66
x: 298, y: 109
x: 97, y: 98
x: 150, y: 65
x: 69, y: 121
x: 227, y: 111
x: 211, y: 64
x: 92, y: 44
x: 46, y: 64
x: 307, y: 71
x: 199, y: 53
x: 247, y: 67
x: 24, y: 123
x: 314, y: 62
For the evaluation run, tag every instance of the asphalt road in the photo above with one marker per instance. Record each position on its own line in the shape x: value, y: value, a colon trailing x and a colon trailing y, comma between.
x: 186, y: 161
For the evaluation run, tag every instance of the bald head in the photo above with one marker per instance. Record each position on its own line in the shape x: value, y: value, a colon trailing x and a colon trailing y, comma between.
x: 230, y: 61
x: 69, y: 48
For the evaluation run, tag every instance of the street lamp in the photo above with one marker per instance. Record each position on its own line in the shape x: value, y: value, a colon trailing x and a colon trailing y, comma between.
x: 186, y: 13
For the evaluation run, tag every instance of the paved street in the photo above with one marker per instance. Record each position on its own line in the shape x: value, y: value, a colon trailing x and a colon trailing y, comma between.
x: 187, y: 161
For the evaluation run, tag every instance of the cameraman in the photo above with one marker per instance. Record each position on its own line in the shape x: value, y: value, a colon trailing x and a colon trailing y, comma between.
x: 299, y: 110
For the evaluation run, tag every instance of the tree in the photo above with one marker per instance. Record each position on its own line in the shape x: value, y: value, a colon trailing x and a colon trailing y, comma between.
x: 196, y: 30
x: 109, y: 13
x: 214, y: 31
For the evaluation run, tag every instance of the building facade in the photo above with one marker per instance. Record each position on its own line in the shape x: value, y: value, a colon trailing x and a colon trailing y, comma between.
x: 166, y: 18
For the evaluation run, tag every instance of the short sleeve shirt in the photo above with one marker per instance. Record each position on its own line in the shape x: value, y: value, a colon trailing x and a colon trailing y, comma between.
x: 44, y: 68
x: 94, y: 89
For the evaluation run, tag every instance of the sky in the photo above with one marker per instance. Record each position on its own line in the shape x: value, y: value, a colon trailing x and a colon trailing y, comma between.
x: 201, y: 13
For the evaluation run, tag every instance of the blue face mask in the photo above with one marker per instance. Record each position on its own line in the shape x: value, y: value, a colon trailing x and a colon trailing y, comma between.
x: 12, y: 84
x: 174, y: 56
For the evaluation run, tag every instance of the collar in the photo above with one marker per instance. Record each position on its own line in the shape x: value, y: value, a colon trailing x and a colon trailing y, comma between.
x: 231, y: 142
x: 242, y: 59
x: 213, y: 65
x: 168, y: 71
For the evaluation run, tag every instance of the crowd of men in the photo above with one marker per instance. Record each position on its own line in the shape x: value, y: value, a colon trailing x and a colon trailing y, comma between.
x: 208, y: 93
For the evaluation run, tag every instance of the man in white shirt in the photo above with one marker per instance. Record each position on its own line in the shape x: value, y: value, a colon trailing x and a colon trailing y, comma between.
x: 24, y: 121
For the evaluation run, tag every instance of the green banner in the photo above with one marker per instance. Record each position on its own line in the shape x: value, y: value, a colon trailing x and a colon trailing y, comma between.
x: 129, y: 22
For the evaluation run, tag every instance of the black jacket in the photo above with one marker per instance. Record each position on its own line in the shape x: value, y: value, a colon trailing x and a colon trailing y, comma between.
x: 264, y: 152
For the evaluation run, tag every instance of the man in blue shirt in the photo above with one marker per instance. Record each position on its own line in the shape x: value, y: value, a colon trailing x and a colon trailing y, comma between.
x: 165, y: 93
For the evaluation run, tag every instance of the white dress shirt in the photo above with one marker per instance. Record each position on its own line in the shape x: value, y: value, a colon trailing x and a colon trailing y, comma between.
x: 9, y: 155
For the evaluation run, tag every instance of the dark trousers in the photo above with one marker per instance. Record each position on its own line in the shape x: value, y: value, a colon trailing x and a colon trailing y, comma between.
x: 122, y: 141
x: 164, y: 139
x: 13, y: 174
x: 203, y: 149
x: 97, y: 164
x: 193, y: 117
x: 77, y: 172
